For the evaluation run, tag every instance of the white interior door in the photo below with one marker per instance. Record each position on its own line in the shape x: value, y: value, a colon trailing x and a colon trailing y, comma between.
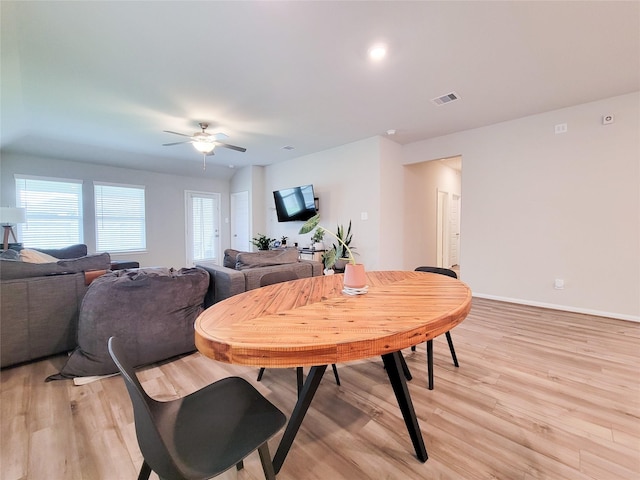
x: 442, y: 228
x: 454, y: 230
x: 203, y: 228
x: 240, y: 221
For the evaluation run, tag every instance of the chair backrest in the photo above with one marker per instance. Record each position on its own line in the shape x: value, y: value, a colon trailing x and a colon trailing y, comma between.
x: 277, y: 277
x: 145, y: 410
x: 440, y: 270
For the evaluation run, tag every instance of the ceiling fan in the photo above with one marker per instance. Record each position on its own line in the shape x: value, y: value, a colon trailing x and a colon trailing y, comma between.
x: 204, y: 142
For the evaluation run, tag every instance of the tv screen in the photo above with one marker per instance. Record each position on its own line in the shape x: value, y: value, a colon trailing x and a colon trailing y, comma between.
x: 293, y: 204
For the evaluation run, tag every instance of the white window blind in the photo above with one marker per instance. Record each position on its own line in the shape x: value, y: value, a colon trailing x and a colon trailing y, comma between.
x: 53, y: 211
x: 202, y: 228
x: 120, y: 218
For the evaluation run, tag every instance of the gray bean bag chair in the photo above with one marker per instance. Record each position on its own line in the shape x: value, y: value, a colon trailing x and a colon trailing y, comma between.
x: 150, y: 310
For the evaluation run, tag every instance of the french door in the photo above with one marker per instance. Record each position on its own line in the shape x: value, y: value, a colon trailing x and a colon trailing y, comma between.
x: 202, y: 228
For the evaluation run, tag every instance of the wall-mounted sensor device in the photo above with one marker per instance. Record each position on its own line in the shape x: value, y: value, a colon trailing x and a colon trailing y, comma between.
x: 607, y: 119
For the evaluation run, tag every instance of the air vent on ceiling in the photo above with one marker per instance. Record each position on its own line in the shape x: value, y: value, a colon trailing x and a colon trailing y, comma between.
x: 448, y: 98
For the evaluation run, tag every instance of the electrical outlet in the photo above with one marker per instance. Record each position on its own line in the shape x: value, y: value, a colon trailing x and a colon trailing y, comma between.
x: 560, y: 128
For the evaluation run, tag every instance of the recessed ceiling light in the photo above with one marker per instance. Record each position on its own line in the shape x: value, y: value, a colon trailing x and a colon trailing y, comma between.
x: 377, y: 52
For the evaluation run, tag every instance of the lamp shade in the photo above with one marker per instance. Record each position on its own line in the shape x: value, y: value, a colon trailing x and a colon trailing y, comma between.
x: 204, y: 147
x: 12, y: 216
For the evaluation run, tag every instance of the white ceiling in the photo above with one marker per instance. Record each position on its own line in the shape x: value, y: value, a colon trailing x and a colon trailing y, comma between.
x: 100, y: 81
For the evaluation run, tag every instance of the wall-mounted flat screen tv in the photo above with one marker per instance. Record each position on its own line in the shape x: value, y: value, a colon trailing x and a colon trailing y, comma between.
x: 293, y: 204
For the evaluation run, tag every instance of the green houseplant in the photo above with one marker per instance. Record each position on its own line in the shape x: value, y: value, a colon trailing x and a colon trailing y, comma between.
x: 354, y: 276
x: 262, y: 241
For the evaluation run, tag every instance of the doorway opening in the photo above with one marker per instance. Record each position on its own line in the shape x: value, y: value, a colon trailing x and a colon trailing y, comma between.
x: 448, y: 206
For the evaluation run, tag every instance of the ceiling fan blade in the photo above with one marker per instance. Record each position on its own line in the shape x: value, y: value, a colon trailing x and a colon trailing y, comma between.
x: 232, y: 147
x: 176, y: 133
x: 174, y: 143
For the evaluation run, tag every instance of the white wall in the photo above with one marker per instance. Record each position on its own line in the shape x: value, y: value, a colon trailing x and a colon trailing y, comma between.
x: 164, y: 199
x: 346, y: 181
x: 539, y: 206
x: 391, y: 207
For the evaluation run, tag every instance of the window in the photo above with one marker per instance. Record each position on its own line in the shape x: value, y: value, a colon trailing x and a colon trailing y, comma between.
x: 53, y: 211
x: 120, y: 218
x: 203, y: 239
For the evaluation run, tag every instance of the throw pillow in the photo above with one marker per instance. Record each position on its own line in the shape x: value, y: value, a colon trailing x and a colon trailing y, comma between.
x: 230, y: 258
x: 246, y: 260
x: 10, y: 255
x: 33, y: 256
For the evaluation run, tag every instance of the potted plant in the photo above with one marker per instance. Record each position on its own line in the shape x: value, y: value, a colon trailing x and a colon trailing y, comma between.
x: 344, y: 238
x: 354, y: 275
x: 316, y: 239
x: 262, y: 241
x: 283, y: 240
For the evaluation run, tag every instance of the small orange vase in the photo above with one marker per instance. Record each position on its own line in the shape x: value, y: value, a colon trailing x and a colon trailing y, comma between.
x: 354, y: 276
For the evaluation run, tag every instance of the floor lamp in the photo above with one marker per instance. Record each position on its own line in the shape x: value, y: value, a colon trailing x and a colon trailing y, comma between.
x: 9, y: 217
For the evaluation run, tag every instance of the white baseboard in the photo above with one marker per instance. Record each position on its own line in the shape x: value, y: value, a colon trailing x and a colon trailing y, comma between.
x: 565, y: 308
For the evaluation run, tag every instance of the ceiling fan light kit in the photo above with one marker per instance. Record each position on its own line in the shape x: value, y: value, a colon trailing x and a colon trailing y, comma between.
x: 204, y: 147
x: 204, y: 142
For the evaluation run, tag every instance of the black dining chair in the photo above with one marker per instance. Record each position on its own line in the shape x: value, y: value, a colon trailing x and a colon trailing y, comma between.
x: 450, y: 273
x: 272, y: 278
x: 203, y: 434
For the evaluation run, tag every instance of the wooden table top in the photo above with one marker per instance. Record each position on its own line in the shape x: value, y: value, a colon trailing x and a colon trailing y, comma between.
x: 311, y: 322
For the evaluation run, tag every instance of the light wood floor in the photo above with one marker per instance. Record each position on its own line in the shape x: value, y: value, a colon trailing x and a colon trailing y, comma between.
x: 539, y: 394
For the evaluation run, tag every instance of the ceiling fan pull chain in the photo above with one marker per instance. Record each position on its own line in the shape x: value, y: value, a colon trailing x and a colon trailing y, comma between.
x: 204, y: 161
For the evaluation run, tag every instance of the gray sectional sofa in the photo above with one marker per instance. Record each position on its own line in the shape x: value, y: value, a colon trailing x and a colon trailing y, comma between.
x: 242, y: 271
x: 40, y: 302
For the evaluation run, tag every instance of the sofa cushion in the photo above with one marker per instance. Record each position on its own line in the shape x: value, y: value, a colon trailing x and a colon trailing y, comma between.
x: 10, y: 269
x: 151, y: 310
x: 230, y: 258
x: 9, y: 255
x: 246, y: 260
x: 34, y: 256
x: 72, y: 251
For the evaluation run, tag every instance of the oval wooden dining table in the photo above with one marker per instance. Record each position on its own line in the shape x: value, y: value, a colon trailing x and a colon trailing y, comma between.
x: 312, y: 322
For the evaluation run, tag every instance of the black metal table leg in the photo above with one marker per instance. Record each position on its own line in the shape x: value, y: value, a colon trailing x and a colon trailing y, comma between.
x: 405, y: 367
x: 393, y: 366
x: 302, y: 405
x: 430, y: 363
x: 299, y: 379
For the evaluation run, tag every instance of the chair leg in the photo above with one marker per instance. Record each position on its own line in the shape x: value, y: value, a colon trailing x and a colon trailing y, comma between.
x: 145, y: 471
x: 260, y: 373
x: 240, y: 465
x: 453, y: 351
x: 430, y: 363
x: 267, y: 464
x: 335, y: 373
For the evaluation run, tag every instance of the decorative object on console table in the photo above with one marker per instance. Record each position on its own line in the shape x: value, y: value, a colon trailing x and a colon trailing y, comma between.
x: 311, y: 254
x: 316, y: 240
x: 9, y: 217
x: 354, y: 274
x: 262, y: 241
